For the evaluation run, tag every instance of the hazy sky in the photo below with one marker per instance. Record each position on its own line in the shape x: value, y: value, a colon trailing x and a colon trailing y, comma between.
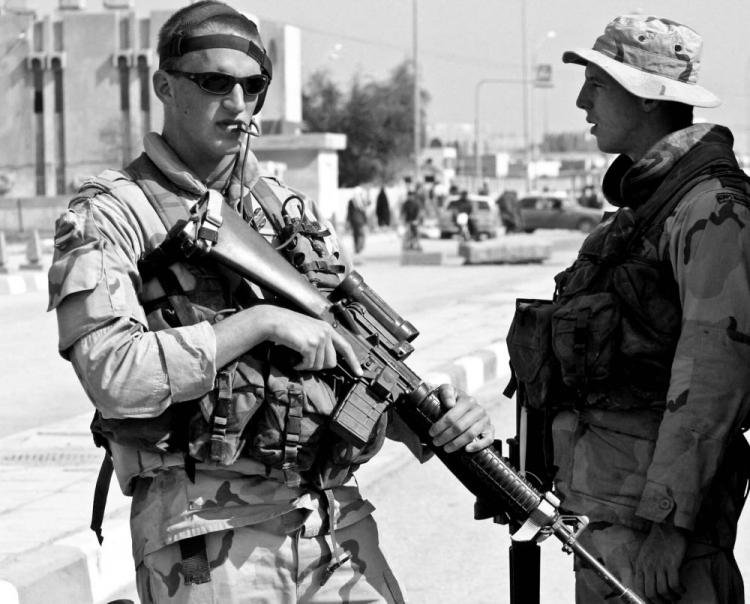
x: 464, y: 41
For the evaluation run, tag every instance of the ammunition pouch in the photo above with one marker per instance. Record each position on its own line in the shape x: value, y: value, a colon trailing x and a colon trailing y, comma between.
x: 532, y: 358
x: 584, y: 339
x: 217, y: 434
x: 558, y: 351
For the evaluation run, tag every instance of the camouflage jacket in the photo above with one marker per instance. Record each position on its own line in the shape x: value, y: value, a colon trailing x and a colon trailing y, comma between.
x: 681, y: 459
x: 130, y: 371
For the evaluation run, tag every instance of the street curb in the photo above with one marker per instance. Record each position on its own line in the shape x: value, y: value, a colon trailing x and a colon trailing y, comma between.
x: 23, y: 283
x: 79, y: 570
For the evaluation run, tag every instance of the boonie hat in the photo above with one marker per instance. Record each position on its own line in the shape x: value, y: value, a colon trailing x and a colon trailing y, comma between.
x: 651, y: 57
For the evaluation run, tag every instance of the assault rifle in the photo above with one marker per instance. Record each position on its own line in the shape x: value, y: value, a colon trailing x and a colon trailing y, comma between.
x: 381, y: 341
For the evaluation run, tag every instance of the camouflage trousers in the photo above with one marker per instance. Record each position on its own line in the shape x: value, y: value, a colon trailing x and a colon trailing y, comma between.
x: 708, y: 574
x: 260, y: 564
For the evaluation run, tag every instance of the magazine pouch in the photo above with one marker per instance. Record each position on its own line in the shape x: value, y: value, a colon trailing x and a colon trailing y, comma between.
x: 584, y: 337
x: 529, y: 344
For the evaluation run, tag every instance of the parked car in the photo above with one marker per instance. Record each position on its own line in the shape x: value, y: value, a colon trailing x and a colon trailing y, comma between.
x: 483, y: 213
x: 547, y: 211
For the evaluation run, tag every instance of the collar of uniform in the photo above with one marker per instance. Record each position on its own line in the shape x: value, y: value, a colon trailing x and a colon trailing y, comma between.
x: 175, y: 169
x: 170, y: 165
x: 629, y: 183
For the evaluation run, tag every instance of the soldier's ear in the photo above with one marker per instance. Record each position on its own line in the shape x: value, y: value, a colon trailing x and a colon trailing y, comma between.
x: 163, y: 86
x: 649, y: 105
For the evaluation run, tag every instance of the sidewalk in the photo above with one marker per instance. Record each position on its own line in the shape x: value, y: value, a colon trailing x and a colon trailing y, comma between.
x: 47, y: 553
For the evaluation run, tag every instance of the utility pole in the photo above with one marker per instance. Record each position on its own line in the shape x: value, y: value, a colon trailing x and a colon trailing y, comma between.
x: 417, y: 99
x: 525, y: 78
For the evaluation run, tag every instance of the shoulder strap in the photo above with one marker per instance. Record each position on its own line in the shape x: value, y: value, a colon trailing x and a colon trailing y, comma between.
x: 167, y: 202
x: 687, y: 174
x: 270, y: 203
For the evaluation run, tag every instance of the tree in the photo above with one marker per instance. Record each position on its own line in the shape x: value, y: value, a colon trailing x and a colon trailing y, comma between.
x: 377, y: 117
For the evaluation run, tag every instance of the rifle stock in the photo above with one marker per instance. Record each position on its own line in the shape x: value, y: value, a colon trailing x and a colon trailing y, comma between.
x: 380, y: 339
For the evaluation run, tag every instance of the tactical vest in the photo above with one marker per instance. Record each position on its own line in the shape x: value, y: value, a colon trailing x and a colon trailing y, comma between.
x: 260, y: 407
x: 608, y: 337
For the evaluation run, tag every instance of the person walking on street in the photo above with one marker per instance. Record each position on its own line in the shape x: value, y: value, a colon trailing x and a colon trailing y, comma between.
x: 411, y: 216
x: 510, y: 215
x: 463, y: 217
x: 650, y: 330
x: 383, y: 209
x: 209, y: 392
x: 356, y: 218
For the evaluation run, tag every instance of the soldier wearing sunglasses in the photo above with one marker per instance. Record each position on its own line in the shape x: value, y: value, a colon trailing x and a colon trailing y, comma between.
x: 250, y: 508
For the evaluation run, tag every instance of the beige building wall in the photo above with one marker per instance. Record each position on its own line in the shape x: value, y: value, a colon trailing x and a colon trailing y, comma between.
x: 78, y: 99
x: 17, y: 157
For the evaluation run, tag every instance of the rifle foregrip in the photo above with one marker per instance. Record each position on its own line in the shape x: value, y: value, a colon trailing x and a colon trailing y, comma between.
x: 485, y: 473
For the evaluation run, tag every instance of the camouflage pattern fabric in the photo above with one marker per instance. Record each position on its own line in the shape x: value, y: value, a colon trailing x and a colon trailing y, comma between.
x: 129, y: 371
x: 681, y: 459
x: 275, y: 563
x: 708, y: 574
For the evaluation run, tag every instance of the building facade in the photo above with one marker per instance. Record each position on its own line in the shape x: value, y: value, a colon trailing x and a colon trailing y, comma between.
x: 77, y: 98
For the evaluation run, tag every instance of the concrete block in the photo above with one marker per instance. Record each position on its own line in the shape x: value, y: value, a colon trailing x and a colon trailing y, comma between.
x: 409, y: 257
x: 513, y: 250
x: 53, y: 574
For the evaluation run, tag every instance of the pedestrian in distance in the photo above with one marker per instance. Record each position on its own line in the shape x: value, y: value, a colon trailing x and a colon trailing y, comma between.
x: 650, y: 330
x: 510, y: 215
x: 356, y: 218
x: 210, y: 393
x: 463, y: 217
x: 411, y: 216
x: 383, y: 209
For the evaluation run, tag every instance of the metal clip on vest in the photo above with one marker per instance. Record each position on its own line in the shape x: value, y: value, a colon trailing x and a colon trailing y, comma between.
x: 201, y: 232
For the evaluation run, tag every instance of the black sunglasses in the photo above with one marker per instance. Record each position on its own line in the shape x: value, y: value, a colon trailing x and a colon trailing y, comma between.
x: 222, y: 83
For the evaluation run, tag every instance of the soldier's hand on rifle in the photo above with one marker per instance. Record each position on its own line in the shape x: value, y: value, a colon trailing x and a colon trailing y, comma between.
x: 315, y: 340
x: 657, y: 567
x: 465, y: 423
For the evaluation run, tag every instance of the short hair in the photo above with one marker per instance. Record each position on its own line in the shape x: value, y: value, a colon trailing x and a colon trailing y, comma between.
x: 206, y: 16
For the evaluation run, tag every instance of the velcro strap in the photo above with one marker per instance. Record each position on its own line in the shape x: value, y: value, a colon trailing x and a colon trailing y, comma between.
x: 293, y: 432
x: 100, y: 496
x: 580, y: 340
x: 195, y: 567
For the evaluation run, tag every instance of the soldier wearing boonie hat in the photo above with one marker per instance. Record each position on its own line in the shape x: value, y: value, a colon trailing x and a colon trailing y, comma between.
x: 651, y: 58
x: 654, y: 389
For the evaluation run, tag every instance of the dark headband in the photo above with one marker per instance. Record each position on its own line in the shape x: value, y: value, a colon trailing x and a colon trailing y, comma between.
x: 184, y: 44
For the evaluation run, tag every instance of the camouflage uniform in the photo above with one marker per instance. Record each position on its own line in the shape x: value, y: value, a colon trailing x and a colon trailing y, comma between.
x: 130, y: 371
x: 679, y: 455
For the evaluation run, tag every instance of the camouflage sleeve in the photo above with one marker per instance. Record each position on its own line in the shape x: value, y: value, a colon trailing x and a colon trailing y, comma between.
x: 126, y: 370
x: 709, y: 248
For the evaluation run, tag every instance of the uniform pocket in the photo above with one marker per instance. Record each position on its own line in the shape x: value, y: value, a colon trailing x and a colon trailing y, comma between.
x: 610, y: 466
x: 584, y: 338
x: 529, y: 344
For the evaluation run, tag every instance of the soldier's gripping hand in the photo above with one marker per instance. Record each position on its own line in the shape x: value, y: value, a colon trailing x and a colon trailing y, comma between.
x: 464, y: 424
x: 314, y: 340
